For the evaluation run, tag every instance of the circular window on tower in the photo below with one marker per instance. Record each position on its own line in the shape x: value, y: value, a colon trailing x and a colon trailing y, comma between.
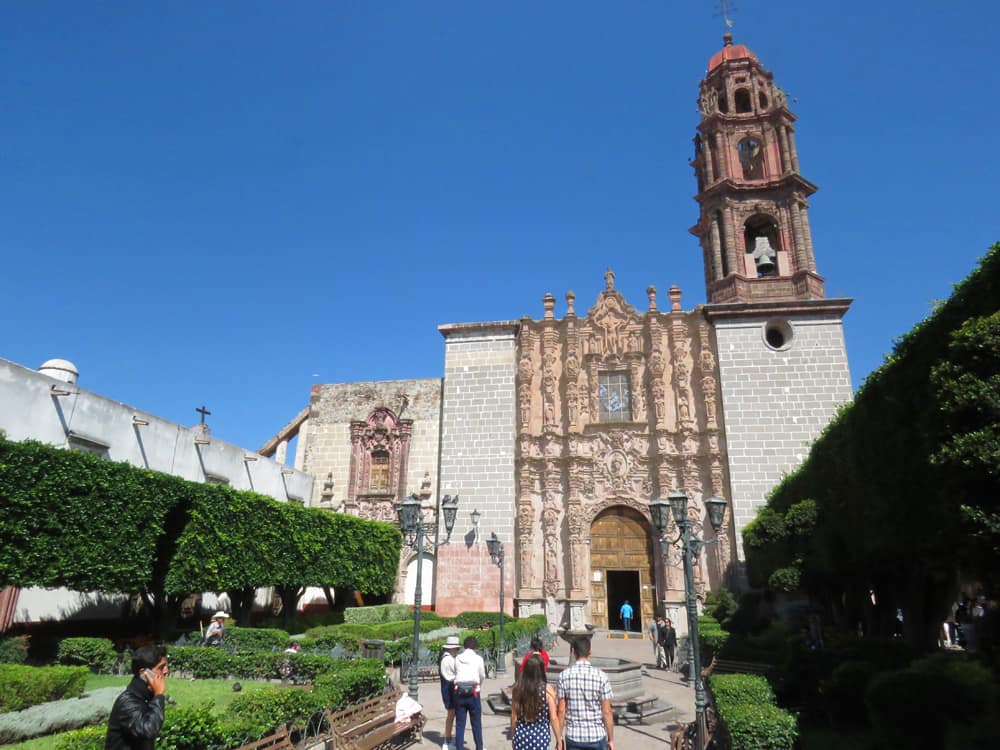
x: 778, y: 334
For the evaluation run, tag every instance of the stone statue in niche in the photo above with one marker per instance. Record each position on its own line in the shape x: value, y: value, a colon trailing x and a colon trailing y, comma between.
x: 658, y: 399
x: 709, y: 101
x: 656, y: 364
x: 707, y: 360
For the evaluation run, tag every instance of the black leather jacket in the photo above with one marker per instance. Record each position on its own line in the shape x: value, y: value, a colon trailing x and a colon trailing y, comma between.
x: 136, y: 718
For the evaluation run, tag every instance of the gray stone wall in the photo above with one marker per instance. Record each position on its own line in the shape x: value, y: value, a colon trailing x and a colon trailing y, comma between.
x: 776, y: 402
x: 477, y: 456
x: 334, y: 406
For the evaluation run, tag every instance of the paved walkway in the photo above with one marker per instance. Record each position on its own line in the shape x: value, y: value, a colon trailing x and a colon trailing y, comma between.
x: 667, y: 686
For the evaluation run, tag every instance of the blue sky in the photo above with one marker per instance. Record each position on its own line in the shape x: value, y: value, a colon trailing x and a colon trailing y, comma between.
x: 227, y: 202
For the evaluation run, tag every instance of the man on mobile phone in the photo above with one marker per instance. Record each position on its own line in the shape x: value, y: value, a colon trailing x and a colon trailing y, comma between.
x: 137, y: 716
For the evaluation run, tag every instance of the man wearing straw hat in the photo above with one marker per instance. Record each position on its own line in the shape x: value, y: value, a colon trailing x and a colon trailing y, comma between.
x: 213, y: 636
x: 446, y: 669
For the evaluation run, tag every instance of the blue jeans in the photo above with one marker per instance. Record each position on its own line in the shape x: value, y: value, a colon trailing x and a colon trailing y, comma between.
x: 577, y: 745
x: 628, y: 623
x: 469, y: 706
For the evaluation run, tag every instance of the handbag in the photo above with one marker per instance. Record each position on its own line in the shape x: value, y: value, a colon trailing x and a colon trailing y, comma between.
x: 466, y: 689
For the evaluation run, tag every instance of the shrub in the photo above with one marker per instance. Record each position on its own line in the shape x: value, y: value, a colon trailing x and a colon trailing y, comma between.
x: 96, y: 653
x: 904, y: 709
x: 91, y: 738
x: 354, y: 681
x: 477, y: 620
x: 22, y: 686
x: 377, y: 614
x: 58, y: 716
x: 721, y: 605
x: 300, y: 623
x: 757, y: 726
x: 14, y: 650
x: 189, y: 729
x: 741, y: 688
x: 844, y: 693
x: 199, y: 661
x: 711, y: 637
x: 255, y: 639
x: 273, y: 706
x: 935, y: 697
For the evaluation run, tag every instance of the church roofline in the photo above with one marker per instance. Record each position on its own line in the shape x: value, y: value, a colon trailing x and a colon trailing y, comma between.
x: 498, y: 327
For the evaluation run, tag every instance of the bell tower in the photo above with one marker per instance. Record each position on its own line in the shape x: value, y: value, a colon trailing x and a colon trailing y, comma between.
x: 754, y: 224
x: 779, y: 340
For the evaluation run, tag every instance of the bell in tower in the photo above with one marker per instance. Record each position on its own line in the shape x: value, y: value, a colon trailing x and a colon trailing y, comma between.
x: 754, y: 225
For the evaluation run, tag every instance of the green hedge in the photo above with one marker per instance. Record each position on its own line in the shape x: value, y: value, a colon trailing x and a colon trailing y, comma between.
x: 22, y: 686
x: 920, y: 706
x: 748, y: 718
x: 741, y: 688
x: 96, y: 653
x: 201, y: 662
x: 711, y: 637
x: 173, y: 536
x: 14, y: 650
x: 377, y: 614
x: 243, y: 640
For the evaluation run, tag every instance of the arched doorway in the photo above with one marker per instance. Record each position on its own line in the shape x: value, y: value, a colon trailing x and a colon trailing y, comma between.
x: 621, y: 567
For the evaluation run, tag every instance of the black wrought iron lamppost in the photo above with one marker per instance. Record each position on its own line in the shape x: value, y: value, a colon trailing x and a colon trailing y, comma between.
x: 691, y: 545
x: 411, y: 522
x: 495, y: 547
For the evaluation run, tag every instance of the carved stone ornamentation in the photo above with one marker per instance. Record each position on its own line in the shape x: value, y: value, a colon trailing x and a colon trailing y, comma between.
x: 571, y: 466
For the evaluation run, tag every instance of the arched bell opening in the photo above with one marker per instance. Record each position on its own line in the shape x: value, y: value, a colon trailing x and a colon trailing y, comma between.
x: 761, y: 238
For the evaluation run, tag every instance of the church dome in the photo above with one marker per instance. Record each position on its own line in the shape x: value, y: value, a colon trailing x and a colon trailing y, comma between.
x: 729, y: 52
x: 60, y: 369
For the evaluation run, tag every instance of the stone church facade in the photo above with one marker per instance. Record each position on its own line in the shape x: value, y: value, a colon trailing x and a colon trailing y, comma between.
x: 558, y: 431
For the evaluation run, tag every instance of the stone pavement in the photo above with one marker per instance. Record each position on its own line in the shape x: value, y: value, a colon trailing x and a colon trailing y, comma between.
x: 667, y: 686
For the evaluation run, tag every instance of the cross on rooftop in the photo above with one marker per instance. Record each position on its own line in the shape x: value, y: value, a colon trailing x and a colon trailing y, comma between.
x: 726, y: 8
x: 204, y: 413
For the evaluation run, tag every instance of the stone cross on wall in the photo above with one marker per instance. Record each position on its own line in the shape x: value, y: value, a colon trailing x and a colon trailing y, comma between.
x: 204, y: 413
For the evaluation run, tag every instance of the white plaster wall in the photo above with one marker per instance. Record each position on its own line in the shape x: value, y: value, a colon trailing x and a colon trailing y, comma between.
x: 29, y: 411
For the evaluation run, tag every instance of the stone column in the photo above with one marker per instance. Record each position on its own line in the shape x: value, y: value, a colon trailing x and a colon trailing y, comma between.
x: 300, y: 446
x: 706, y: 154
x: 786, y: 159
x: 729, y: 237
x: 801, y: 264
x: 281, y: 452
x: 720, y: 150
x: 715, y: 242
x: 792, y: 150
x: 810, y: 255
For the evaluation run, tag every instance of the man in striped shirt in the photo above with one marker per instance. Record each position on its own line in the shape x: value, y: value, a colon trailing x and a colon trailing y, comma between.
x: 584, y: 695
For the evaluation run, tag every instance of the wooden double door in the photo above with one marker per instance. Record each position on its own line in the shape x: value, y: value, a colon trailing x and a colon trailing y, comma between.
x: 621, y: 567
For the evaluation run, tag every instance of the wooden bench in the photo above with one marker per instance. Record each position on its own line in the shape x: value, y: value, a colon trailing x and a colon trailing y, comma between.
x: 731, y: 666
x: 277, y: 741
x: 372, y: 724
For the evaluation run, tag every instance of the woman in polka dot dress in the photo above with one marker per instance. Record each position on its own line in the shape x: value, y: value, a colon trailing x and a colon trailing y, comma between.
x: 533, y: 708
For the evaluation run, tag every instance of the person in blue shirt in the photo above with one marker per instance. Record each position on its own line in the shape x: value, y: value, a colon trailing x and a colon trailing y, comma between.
x: 626, y: 613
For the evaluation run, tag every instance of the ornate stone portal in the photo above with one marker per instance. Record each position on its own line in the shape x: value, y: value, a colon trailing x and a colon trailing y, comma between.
x: 614, y: 408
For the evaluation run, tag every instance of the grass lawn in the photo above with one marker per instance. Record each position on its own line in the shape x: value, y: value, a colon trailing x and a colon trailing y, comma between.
x: 185, y: 692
